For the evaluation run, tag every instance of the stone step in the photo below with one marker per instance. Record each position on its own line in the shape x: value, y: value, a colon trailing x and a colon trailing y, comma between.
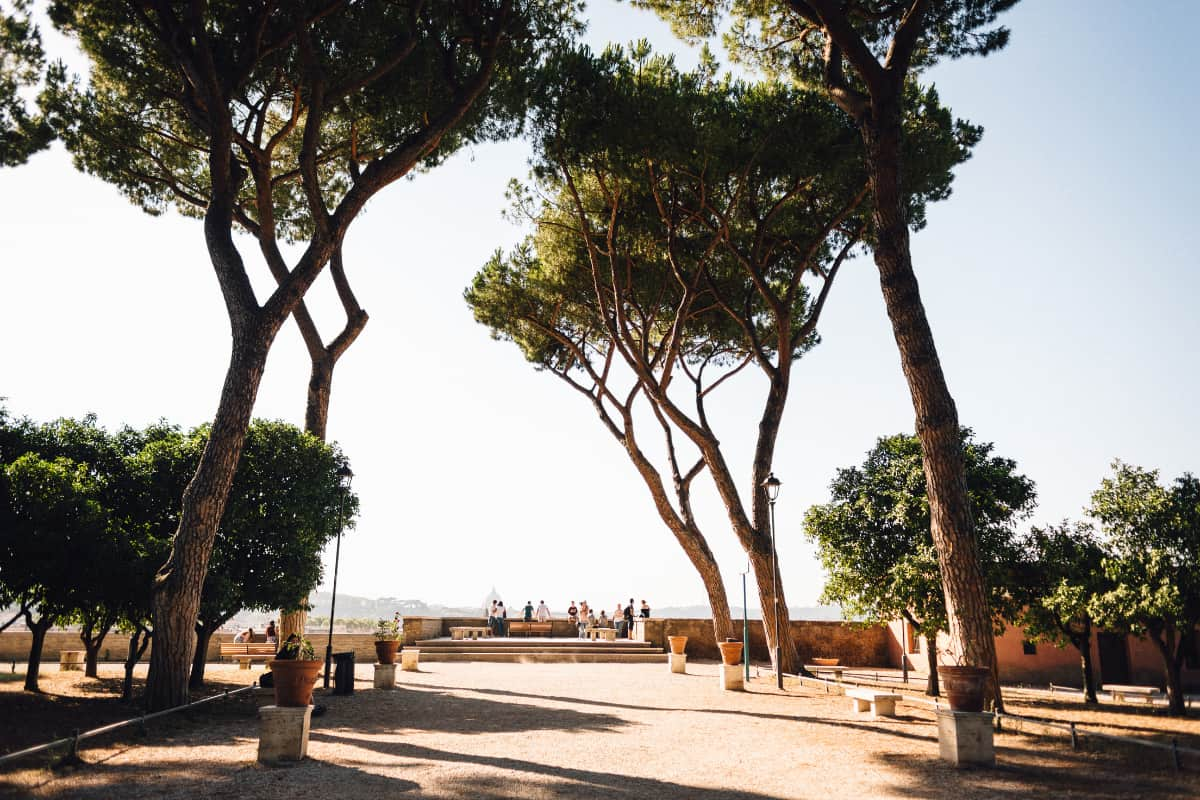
x: 545, y: 644
x: 532, y: 649
x: 545, y: 657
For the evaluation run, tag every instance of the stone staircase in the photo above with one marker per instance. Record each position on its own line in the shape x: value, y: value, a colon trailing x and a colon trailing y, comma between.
x: 538, y: 650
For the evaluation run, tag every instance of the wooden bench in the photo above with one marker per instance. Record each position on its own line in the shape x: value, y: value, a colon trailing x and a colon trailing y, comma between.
x: 607, y: 634
x: 468, y: 632
x: 881, y: 704
x: 70, y: 660
x: 1120, y: 692
x: 247, y: 652
x: 817, y: 669
x: 521, y: 626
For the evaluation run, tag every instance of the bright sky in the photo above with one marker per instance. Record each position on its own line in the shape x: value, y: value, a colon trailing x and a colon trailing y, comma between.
x: 1061, y: 280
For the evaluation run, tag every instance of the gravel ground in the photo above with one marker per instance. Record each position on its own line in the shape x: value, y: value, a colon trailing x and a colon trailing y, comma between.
x: 474, y: 730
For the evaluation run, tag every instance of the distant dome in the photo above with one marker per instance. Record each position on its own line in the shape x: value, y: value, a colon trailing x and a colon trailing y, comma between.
x: 487, y: 601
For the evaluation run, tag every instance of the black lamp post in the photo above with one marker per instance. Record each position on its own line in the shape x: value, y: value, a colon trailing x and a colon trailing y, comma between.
x: 345, y: 475
x: 772, y: 484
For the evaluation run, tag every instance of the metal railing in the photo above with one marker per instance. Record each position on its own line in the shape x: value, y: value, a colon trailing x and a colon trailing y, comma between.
x: 1073, y: 729
x: 72, y: 742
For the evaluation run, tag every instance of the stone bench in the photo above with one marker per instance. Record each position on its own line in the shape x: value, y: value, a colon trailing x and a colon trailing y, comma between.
x: 607, y: 634
x: 70, y: 660
x: 521, y: 626
x: 818, y: 669
x: 880, y: 704
x: 1121, y: 692
x: 247, y: 652
x: 469, y: 632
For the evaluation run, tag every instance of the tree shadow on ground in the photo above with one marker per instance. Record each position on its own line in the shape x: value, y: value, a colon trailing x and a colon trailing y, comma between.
x: 570, y: 781
x: 36, y: 718
x: 189, y: 778
x: 1022, y: 772
x: 444, y: 711
x: 1023, y: 763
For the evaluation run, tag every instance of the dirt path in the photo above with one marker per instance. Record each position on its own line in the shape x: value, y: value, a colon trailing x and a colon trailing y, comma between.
x: 472, y: 730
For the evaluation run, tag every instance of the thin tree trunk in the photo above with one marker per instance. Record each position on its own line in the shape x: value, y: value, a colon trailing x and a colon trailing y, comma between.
x: 91, y: 646
x: 1083, y: 643
x: 931, y: 685
x: 204, y: 634
x: 38, y: 631
x: 292, y: 622
x: 138, y: 641
x: 937, y: 424
x: 1165, y: 641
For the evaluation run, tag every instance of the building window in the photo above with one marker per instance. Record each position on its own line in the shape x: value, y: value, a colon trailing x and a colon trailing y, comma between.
x: 1029, y: 648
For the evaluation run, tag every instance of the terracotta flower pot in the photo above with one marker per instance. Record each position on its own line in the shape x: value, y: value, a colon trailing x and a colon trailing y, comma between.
x: 294, y: 681
x: 731, y: 652
x: 385, y: 650
x: 964, y: 686
x: 677, y: 643
x: 826, y: 662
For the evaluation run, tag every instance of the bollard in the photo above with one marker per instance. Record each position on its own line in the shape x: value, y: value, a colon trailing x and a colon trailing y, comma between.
x: 966, y: 737
x: 283, y: 733
x: 1074, y: 738
x: 1175, y: 752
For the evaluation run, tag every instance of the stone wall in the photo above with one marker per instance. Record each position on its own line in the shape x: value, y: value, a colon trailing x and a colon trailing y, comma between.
x: 14, y: 646
x: 853, y: 644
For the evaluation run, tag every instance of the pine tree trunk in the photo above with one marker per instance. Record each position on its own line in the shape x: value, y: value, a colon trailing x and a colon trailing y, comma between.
x: 180, y: 580
x: 760, y: 562
x: 931, y: 686
x: 316, y: 420
x: 37, y: 642
x: 320, y: 385
x: 937, y: 424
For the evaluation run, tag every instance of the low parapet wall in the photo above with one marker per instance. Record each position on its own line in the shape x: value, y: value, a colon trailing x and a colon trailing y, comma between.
x: 14, y: 646
x: 853, y: 644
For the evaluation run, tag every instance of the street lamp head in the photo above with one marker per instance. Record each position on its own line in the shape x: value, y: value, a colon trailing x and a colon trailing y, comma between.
x: 772, y: 485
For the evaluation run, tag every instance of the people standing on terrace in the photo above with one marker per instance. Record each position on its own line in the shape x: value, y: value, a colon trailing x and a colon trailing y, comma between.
x: 543, y: 612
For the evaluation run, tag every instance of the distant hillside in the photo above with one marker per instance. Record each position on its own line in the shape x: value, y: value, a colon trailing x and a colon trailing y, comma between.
x: 354, y: 607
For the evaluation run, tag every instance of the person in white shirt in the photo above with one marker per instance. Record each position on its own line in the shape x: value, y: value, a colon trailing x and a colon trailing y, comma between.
x: 543, y: 612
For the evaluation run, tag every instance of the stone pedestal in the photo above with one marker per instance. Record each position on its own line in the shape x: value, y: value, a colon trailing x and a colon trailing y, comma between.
x: 409, y: 658
x: 731, y: 678
x: 283, y: 733
x: 678, y: 662
x: 965, y: 738
x: 385, y: 676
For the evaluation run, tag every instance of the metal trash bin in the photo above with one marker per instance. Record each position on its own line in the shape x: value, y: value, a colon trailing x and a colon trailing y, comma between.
x: 343, y: 673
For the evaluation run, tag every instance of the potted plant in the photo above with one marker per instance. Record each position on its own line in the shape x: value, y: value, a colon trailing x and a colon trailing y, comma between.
x: 964, y: 685
x: 294, y: 671
x: 387, y: 640
x: 677, y: 644
x: 731, y: 651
